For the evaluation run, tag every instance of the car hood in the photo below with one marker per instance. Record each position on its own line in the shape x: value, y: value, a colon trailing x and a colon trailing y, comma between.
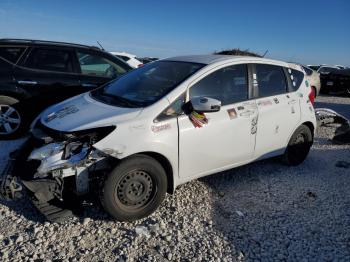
x: 83, y: 112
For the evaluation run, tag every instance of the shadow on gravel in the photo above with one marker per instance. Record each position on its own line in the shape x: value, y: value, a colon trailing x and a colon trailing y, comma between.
x: 269, y: 211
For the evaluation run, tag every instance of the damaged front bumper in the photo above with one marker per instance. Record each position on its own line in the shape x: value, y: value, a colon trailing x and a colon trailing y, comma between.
x: 327, y: 117
x: 50, y: 168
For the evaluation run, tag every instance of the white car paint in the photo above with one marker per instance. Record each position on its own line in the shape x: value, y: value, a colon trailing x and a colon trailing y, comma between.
x: 313, y: 78
x: 258, y: 132
x: 128, y: 58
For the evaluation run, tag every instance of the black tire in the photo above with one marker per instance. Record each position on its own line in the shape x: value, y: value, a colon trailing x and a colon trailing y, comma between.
x: 299, y: 146
x: 134, y: 189
x: 7, y: 102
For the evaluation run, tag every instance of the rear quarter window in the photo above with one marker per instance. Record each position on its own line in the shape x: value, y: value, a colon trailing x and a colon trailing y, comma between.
x: 296, y: 78
x: 11, y: 53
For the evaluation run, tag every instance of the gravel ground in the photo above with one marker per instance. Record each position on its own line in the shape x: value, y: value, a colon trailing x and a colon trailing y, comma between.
x: 262, y: 211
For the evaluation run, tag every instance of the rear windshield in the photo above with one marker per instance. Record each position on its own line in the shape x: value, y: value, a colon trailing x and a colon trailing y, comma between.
x: 308, y: 71
x: 11, y: 53
x: 146, y: 85
x: 326, y: 69
x: 314, y: 67
x: 124, y: 58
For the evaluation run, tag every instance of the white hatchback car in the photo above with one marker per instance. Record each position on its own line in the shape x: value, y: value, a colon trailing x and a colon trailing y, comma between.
x: 164, y: 124
x: 130, y: 59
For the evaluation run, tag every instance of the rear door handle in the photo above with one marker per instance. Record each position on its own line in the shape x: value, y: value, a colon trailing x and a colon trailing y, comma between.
x: 292, y: 102
x: 27, y: 82
x: 247, y: 113
x: 88, y: 85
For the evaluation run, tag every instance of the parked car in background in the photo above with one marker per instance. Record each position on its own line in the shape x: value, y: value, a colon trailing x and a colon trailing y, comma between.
x: 324, y: 70
x: 314, y: 67
x: 314, y: 79
x: 128, y: 58
x: 336, y: 82
x: 169, y: 122
x: 35, y: 74
x: 341, y: 66
x: 147, y: 60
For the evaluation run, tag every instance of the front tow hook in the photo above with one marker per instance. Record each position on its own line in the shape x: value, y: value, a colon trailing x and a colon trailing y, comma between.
x: 10, y: 188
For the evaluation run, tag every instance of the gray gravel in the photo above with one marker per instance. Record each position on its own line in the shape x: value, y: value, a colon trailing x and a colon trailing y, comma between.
x: 262, y: 211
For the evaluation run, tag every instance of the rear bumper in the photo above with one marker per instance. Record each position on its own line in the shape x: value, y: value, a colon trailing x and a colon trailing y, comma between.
x: 335, y: 86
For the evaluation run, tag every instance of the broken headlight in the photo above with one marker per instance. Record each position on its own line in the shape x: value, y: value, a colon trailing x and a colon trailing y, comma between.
x: 69, y: 149
x: 46, y: 151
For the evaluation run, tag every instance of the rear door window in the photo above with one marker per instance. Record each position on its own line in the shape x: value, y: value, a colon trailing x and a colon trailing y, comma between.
x: 11, y: 53
x: 94, y: 65
x: 229, y: 85
x: 271, y: 80
x: 50, y: 60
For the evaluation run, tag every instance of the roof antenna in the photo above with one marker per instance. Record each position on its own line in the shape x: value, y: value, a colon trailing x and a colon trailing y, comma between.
x: 100, y: 45
x: 265, y: 53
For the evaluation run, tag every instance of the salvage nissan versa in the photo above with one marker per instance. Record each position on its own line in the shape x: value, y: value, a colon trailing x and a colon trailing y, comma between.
x: 159, y: 126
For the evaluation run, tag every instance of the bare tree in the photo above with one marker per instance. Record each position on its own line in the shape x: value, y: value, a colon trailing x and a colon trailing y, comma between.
x: 237, y: 51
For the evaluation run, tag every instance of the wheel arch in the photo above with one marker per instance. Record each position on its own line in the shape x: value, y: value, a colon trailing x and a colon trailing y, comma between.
x: 310, y: 125
x: 15, y: 95
x: 165, y: 163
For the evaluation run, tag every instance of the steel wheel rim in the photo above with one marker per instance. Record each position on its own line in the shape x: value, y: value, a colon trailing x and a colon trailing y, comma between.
x: 135, y: 190
x: 10, y: 120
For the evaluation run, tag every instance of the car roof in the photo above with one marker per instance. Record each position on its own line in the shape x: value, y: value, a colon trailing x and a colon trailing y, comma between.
x: 123, y: 53
x: 211, y: 59
x: 31, y: 42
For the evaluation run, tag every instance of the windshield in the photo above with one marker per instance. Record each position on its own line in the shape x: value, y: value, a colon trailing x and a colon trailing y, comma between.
x: 146, y: 85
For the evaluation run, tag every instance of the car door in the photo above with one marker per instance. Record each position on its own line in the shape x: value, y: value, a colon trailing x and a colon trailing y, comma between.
x: 48, y: 75
x: 97, y: 69
x: 279, y: 110
x: 227, y: 139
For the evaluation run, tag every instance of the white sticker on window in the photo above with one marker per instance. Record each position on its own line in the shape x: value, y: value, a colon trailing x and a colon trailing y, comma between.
x: 289, y: 71
x: 291, y: 77
x: 294, y: 84
x: 254, y: 76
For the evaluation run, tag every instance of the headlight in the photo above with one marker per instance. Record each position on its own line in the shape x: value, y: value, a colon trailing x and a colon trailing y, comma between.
x: 46, y: 151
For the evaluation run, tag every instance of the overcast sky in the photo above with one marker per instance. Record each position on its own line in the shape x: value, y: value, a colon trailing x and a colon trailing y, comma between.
x: 310, y: 32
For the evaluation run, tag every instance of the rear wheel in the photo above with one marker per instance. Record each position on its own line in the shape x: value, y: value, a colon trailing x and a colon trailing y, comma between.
x: 11, y: 118
x: 299, y: 146
x: 134, y: 189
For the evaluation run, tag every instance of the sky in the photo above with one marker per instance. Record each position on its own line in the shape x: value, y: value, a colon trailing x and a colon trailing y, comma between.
x: 309, y: 32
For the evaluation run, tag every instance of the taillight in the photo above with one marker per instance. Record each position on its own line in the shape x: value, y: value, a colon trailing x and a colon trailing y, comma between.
x: 140, y: 65
x: 312, y: 96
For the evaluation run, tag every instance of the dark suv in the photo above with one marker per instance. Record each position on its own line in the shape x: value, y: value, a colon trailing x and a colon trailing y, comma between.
x: 35, y: 74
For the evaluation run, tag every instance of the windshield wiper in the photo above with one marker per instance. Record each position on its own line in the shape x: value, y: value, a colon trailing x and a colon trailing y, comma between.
x: 121, y: 99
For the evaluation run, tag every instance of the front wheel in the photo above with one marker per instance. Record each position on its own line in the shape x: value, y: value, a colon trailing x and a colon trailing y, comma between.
x: 134, y: 189
x: 299, y: 146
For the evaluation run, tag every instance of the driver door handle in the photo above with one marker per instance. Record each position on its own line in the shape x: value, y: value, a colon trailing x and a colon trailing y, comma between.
x: 27, y: 82
x: 88, y: 85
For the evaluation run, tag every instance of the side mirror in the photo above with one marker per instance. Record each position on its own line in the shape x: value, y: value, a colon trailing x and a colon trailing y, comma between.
x: 205, y: 104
